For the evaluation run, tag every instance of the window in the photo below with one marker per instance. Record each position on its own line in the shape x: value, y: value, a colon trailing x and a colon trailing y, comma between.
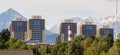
x: 88, y: 27
x: 106, y: 31
x: 89, y: 30
x: 36, y: 22
x: 19, y: 24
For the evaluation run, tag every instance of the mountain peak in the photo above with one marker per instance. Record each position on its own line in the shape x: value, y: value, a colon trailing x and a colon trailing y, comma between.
x: 10, y: 9
x: 8, y: 16
x: 12, y: 14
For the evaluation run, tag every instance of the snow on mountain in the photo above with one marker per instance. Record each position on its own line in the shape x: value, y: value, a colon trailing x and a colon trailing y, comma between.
x: 79, y: 21
x: 50, y: 35
x: 7, y: 16
x: 56, y: 28
x: 110, y: 21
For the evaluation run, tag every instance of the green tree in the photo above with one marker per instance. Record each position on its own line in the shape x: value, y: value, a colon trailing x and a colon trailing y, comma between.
x: 42, y: 50
x: 1, y: 43
x: 62, y: 49
x: 13, y: 44
x: 115, y: 49
x: 87, y: 42
x: 48, y: 49
x: 76, y: 46
x: 99, y: 46
x: 55, y: 48
x: 5, y: 34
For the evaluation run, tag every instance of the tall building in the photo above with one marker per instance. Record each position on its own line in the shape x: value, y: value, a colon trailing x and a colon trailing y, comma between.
x: 64, y: 30
x: 105, y: 30
x: 18, y: 29
x: 36, y: 28
x: 88, y: 29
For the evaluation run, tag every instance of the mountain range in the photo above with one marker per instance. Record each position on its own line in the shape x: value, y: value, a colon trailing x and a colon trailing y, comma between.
x: 107, y: 21
x: 51, y: 34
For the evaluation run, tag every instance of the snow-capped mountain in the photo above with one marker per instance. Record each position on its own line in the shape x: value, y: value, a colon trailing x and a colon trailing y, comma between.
x: 79, y: 21
x: 50, y: 35
x: 7, y: 16
x: 109, y: 21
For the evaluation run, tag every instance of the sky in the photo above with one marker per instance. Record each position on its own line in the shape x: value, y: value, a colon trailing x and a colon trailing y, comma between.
x: 54, y: 11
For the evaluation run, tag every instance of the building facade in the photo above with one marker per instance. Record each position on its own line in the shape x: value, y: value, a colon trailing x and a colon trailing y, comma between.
x: 36, y: 27
x: 18, y: 29
x: 88, y: 29
x: 64, y: 30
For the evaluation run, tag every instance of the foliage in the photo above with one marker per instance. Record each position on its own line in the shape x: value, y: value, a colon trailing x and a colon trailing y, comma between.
x: 13, y: 44
x: 5, y: 34
x: 101, y: 45
x: 115, y: 49
x: 1, y: 43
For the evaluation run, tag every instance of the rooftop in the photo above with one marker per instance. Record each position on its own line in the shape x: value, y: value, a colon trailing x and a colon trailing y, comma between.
x: 36, y: 17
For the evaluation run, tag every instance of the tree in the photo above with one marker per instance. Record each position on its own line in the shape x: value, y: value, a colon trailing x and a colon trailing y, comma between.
x: 62, y: 49
x: 1, y: 43
x: 13, y: 44
x: 55, y: 48
x: 76, y: 46
x: 115, y: 49
x: 5, y: 34
x: 87, y: 42
x: 42, y: 50
x: 99, y: 46
x: 48, y: 49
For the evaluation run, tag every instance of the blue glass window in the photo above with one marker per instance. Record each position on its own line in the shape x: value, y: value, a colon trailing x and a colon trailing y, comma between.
x: 88, y: 30
x: 88, y: 27
x: 106, y: 31
x: 19, y: 24
x: 36, y: 22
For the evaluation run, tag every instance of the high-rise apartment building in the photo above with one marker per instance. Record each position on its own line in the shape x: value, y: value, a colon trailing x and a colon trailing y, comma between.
x: 64, y: 31
x: 88, y: 29
x: 36, y: 28
x: 18, y: 29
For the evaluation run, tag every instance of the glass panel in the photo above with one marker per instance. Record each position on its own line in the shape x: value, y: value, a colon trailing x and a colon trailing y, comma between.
x: 36, y: 22
x: 89, y: 30
x: 19, y: 24
x: 106, y: 31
